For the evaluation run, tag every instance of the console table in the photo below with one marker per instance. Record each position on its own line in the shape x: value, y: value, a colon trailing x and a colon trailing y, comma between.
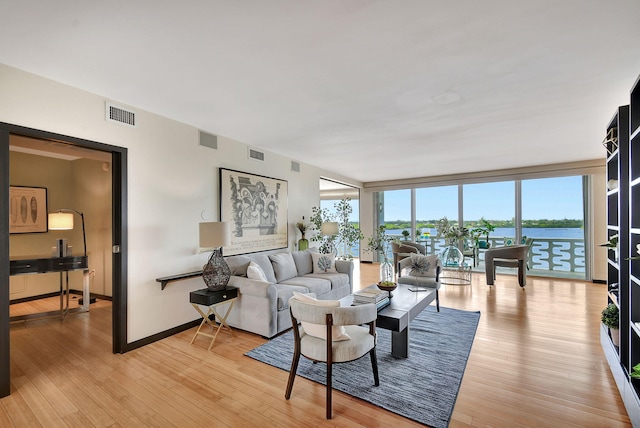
x: 37, y: 264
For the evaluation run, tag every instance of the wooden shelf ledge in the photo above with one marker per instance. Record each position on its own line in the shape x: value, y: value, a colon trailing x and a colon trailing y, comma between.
x: 167, y: 279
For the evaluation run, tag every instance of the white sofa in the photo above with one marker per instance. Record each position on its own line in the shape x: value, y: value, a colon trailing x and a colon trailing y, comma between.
x: 263, y: 306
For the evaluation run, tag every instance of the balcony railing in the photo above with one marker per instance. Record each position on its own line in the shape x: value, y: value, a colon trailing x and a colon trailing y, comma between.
x: 547, y: 257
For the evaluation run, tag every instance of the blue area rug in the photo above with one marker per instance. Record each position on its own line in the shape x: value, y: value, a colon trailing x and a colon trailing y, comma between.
x: 422, y: 387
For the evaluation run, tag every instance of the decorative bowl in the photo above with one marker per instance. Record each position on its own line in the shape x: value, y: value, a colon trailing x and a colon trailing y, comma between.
x: 388, y: 287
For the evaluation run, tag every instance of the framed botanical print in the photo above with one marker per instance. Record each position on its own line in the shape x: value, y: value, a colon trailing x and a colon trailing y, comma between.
x: 27, y: 209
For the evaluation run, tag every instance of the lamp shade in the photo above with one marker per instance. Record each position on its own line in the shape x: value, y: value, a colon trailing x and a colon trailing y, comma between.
x: 214, y: 234
x: 60, y: 221
x: 329, y: 228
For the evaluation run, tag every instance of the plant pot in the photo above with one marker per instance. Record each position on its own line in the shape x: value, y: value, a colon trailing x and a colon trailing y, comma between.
x: 615, y: 336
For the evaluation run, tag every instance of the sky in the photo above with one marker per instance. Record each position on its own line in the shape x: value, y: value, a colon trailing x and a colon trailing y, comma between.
x: 545, y: 198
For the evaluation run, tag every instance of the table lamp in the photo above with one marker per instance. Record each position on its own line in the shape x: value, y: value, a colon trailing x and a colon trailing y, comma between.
x: 213, y: 236
x: 330, y: 229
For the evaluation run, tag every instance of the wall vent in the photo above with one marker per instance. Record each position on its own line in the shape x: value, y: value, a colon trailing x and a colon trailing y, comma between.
x: 254, y: 154
x: 295, y: 166
x: 208, y: 140
x: 120, y: 115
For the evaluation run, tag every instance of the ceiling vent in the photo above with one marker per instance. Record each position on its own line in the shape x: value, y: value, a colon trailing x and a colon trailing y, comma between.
x: 120, y: 115
x: 208, y: 140
x: 254, y: 154
x: 295, y: 166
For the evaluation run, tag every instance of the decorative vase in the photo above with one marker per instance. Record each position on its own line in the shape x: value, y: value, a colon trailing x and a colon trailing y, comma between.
x: 452, y: 256
x: 303, y: 244
x: 386, y: 270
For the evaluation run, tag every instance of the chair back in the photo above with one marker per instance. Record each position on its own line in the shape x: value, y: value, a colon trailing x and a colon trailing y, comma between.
x: 342, y: 315
x: 419, y: 265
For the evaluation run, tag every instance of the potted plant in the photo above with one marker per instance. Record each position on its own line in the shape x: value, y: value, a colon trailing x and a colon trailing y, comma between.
x: 611, y: 318
x: 452, y: 233
x: 405, y: 234
x: 483, y: 229
x: 379, y: 243
x: 612, y: 244
x: 303, y: 243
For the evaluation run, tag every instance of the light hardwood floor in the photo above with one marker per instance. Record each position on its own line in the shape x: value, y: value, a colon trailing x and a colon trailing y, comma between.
x: 536, y: 362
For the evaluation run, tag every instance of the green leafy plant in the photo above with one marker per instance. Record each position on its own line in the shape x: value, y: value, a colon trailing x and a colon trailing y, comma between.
x: 635, y: 372
x: 612, y: 242
x: 405, y: 234
x: 319, y: 216
x: 484, y: 229
x: 348, y: 234
x: 611, y: 316
x: 379, y: 242
x: 450, y: 230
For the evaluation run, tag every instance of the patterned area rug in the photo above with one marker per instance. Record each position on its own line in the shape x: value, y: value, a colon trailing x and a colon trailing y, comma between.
x: 422, y: 387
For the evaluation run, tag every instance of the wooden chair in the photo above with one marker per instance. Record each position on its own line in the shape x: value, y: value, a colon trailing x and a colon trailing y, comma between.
x: 317, y: 349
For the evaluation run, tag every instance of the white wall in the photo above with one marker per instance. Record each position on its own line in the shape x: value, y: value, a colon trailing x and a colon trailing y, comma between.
x: 172, y: 183
x: 599, y: 231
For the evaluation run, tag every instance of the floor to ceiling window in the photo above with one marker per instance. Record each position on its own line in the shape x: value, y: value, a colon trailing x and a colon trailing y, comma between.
x: 494, y: 202
x: 432, y: 204
x: 547, y: 210
x: 553, y: 215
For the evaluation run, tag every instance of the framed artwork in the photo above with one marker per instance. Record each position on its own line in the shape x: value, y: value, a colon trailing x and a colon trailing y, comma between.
x: 256, y: 208
x: 27, y: 209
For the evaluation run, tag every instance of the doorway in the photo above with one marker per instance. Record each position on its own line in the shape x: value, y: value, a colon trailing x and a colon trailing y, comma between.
x: 118, y: 253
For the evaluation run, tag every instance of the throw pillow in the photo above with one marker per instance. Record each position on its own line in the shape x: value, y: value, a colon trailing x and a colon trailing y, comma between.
x: 303, y: 260
x: 523, y: 240
x: 338, y: 333
x: 420, y: 265
x: 323, y: 263
x: 508, y: 242
x: 283, y: 266
x: 254, y: 271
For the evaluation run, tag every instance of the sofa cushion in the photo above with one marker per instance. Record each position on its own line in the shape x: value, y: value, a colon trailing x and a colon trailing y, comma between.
x: 335, y: 280
x: 285, y: 292
x: 283, y: 266
x: 254, y: 271
x: 338, y: 332
x: 265, y: 263
x: 238, y: 265
x: 318, y: 286
x: 303, y: 260
x: 323, y: 263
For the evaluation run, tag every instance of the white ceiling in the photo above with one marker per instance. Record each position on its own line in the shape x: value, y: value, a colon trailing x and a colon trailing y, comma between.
x: 373, y: 90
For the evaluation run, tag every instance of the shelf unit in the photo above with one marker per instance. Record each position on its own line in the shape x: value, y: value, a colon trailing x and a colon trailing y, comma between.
x: 617, y: 144
x: 623, y: 218
x: 634, y: 241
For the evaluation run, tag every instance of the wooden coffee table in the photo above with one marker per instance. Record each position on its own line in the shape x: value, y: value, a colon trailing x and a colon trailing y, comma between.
x: 404, y: 307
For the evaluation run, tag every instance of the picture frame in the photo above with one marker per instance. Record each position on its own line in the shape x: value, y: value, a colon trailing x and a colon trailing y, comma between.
x: 256, y: 207
x: 28, y: 212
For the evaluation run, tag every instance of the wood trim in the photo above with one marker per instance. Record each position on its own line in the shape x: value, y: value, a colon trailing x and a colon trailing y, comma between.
x: 119, y: 227
x: 5, y: 381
